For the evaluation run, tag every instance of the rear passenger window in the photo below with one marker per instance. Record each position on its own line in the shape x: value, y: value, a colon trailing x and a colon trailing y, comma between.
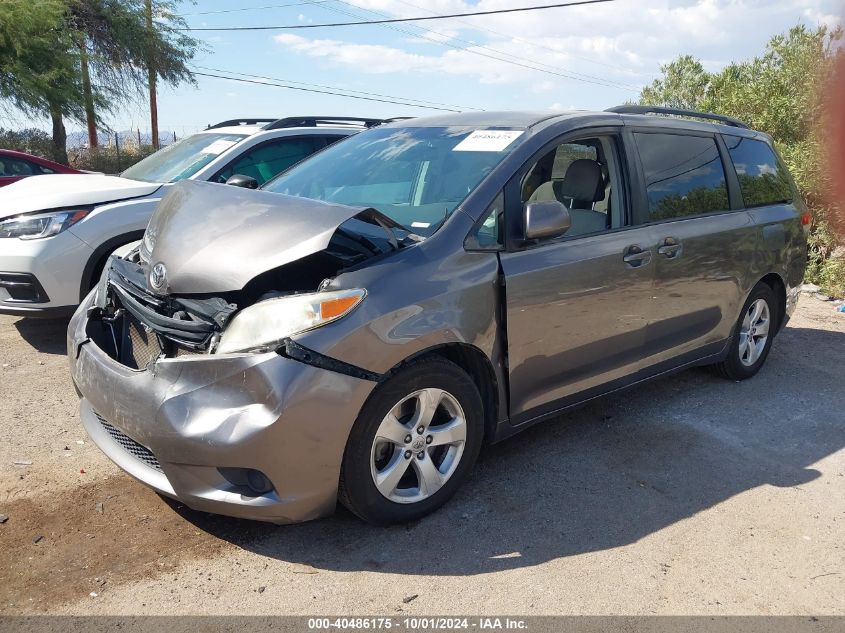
x: 763, y: 178
x: 684, y: 175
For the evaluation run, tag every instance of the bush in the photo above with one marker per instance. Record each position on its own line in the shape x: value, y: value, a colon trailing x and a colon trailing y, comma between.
x: 30, y: 140
x: 109, y: 159
x: 825, y: 267
x: 106, y: 159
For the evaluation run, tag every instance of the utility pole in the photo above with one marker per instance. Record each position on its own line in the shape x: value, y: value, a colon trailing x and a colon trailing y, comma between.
x: 151, y: 69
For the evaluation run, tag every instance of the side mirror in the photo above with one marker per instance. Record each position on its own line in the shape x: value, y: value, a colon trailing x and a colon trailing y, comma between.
x: 239, y: 180
x: 547, y: 218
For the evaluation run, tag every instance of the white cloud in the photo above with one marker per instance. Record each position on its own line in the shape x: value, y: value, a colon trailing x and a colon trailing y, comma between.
x: 380, y: 59
x: 814, y: 16
x: 621, y: 42
x: 368, y: 58
x: 543, y: 86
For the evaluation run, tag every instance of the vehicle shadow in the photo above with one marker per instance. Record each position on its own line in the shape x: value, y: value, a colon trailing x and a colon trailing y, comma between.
x: 47, y: 336
x: 600, y: 477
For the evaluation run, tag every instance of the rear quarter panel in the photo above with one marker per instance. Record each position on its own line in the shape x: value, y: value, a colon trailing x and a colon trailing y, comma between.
x: 782, y: 247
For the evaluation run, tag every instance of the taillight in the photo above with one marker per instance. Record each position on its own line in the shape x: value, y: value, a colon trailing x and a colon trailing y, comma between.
x: 806, y: 219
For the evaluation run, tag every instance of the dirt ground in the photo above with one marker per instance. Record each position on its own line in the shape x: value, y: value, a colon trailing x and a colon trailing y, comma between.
x: 690, y: 495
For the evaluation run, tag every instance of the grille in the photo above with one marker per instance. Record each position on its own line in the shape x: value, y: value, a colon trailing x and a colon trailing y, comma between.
x: 184, y: 351
x: 140, y: 347
x: 138, y: 451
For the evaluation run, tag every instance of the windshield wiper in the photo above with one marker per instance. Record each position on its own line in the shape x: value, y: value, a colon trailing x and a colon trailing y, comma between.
x: 359, y: 239
x: 388, y: 224
x: 391, y: 233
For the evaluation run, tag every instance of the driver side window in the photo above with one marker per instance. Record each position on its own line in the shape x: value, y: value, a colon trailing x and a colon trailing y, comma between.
x: 584, y: 177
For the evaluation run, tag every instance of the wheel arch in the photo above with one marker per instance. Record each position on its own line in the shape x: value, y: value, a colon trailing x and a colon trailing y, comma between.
x: 776, y: 283
x: 479, y: 368
x: 98, y: 258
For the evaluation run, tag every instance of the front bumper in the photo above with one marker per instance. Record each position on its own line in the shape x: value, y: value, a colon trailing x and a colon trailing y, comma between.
x: 54, y: 263
x: 175, y: 425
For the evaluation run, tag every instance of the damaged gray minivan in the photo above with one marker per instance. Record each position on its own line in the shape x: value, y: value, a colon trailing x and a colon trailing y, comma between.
x: 362, y: 326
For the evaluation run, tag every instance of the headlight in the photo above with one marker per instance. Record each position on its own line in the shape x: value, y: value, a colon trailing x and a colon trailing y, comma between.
x: 32, y: 227
x: 266, y: 324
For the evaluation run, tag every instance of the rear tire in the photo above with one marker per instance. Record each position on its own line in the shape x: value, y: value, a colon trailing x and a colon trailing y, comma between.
x: 414, y: 443
x: 753, y: 335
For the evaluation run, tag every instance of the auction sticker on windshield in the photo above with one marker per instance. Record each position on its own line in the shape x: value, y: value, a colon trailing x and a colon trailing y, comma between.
x: 487, y: 141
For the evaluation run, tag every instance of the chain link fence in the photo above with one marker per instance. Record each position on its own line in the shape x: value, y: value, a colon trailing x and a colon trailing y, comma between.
x: 115, y: 153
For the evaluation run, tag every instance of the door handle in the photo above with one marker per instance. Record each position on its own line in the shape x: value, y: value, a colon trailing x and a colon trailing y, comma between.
x: 635, y: 257
x: 670, y: 247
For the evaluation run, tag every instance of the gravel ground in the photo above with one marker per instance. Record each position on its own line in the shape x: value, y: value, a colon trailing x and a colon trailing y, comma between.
x: 690, y: 495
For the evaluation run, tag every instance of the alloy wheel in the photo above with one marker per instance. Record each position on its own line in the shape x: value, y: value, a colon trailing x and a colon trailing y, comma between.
x: 418, y: 445
x: 754, y: 332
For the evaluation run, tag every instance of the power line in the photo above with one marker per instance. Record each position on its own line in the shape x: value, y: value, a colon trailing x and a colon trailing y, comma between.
x: 526, y: 63
x: 395, y: 20
x: 326, y: 92
x: 552, y: 70
x: 421, y: 102
x: 270, y: 6
x: 520, y: 62
x: 521, y: 40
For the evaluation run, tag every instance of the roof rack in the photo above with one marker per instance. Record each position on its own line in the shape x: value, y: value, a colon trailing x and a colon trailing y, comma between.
x: 637, y: 109
x: 235, y: 122
x: 313, y: 121
x: 298, y: 121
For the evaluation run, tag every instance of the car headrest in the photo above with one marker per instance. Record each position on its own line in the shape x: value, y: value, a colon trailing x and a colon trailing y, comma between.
x: 583, y: 181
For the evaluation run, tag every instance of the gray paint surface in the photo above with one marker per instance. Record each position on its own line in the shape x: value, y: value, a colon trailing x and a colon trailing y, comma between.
x: 214, y: 238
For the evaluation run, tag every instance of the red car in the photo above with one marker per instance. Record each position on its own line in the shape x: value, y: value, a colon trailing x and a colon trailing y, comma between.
x: 17, y: 165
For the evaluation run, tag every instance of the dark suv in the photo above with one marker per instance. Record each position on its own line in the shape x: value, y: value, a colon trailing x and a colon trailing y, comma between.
x: 423, y: 287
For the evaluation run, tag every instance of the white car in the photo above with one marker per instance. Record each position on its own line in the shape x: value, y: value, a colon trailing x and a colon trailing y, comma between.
x: 57, y: 231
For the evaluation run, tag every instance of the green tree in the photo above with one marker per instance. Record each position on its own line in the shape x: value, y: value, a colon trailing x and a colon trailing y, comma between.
x: 778, y: 93
x: 80, y: 59
x: 38, y: 70
x: 120, y: 50
x: 683, y: 84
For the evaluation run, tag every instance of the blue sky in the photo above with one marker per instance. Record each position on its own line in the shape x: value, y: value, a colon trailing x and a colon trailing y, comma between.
x: 591, y: 57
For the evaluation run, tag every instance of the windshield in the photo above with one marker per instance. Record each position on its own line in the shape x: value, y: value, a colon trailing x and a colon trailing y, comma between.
x: 182, y: 159
x: 416, y: 176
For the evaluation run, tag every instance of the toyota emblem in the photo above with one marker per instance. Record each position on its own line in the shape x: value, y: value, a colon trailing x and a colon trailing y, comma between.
x: 158, y: 276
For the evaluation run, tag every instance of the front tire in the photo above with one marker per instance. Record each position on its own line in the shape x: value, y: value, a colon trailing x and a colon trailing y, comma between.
x: 753, y: 335
x: 414, y: 443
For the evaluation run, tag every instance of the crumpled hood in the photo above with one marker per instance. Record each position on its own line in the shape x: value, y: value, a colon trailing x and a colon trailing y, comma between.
x: 57, y: 191
x: 213, y: 238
